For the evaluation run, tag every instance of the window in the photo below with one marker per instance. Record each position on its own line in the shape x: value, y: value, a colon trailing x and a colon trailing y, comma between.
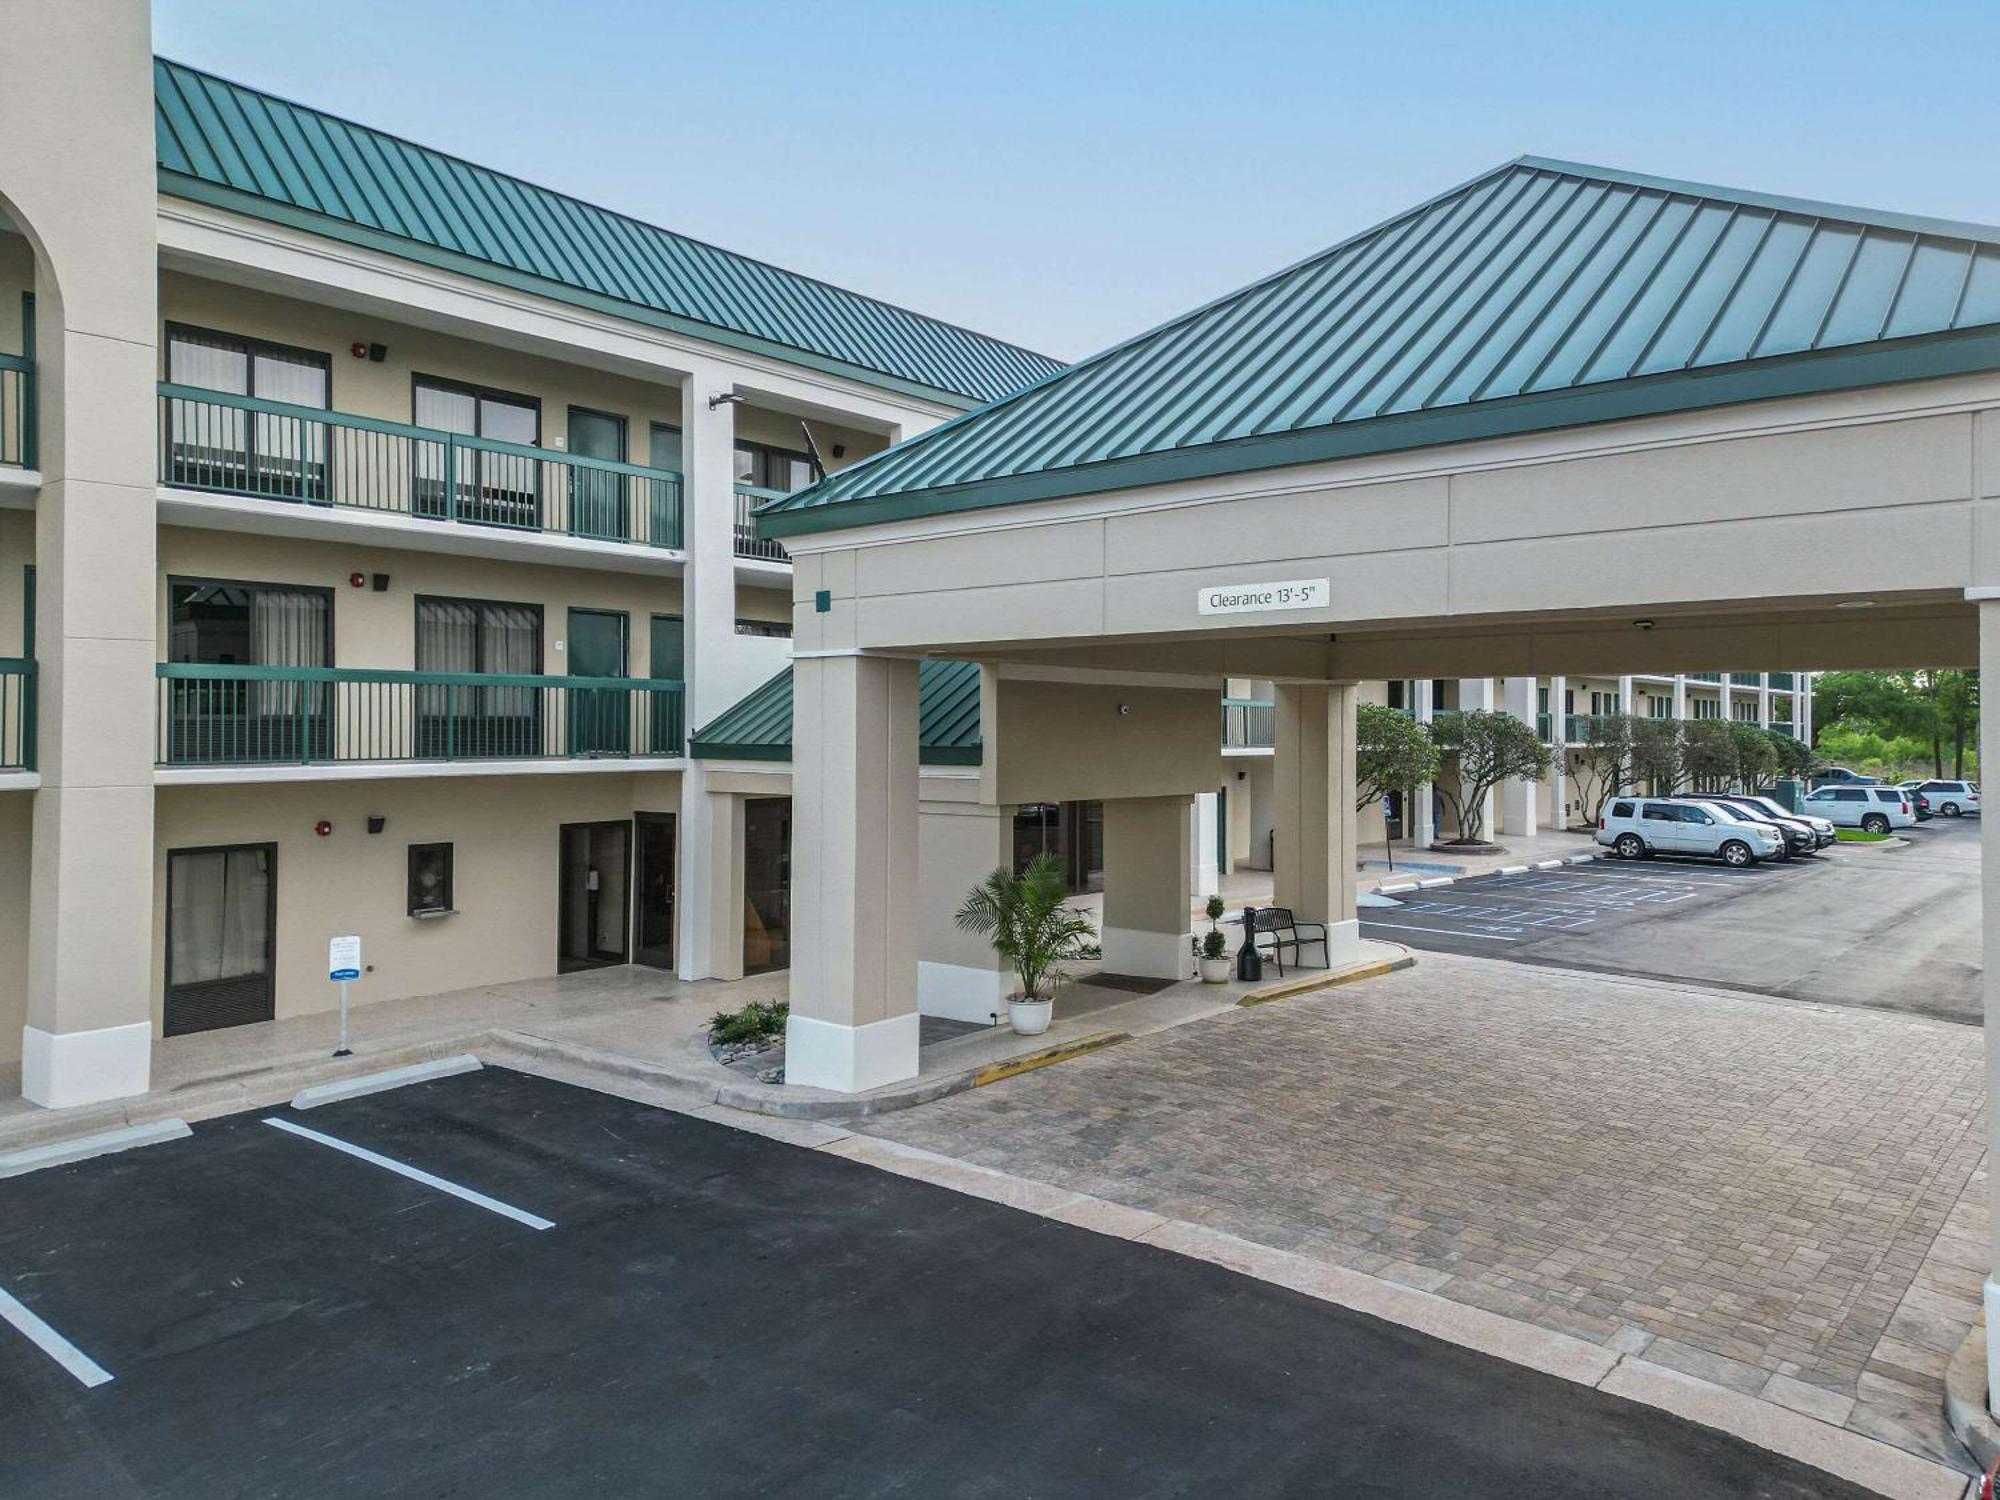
x: 1541, y: 700
x: 496, y: 489
x: 430, y: 880
x: 1895, y: 796
x: 1658, y: 707
x: 216, y: 623
x: 1690, y: 814
x: 1621, y: 810
x: 1662, y: 812
x: 457, y: 720
x: 664, y: 450
x: 222, y: 447
x: 774, y: 628
x: 1707, y: 708
x: 770, y: 468
x: 1848, y: 794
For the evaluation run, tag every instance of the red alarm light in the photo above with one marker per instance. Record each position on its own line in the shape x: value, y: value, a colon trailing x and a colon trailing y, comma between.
x: 357, y: 580
x: 322, y: 828
x: 358, y: 350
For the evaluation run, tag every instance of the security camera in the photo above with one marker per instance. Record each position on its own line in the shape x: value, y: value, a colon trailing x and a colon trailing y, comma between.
x: 1642, y: 624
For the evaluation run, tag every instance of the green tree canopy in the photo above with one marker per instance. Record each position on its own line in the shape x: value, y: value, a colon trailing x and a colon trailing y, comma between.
x: 1487, y: 748
x: 1392, y: 753
x: 1603, y: 762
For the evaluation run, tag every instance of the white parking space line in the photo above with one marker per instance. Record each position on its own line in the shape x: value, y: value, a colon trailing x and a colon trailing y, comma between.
x: 415, y: 1174
x: 1491, y: 937
x: 51, y: 1343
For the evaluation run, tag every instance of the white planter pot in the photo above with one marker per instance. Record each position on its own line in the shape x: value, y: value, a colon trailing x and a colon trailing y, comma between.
x: 1216, y: 970
x: 1030, y: 1017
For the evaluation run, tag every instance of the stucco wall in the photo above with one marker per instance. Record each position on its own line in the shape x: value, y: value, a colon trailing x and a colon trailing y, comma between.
x: 16, y: 820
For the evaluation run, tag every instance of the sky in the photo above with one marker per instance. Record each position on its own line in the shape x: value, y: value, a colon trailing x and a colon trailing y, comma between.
x: 1067, y: 175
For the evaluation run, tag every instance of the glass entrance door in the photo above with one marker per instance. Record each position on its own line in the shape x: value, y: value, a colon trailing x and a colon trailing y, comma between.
x: 597, y: 717
x: 221, y: 936
x: 653, y: 891
x: 597, y: 496
x: 593, y: 906
x: 767, y: 884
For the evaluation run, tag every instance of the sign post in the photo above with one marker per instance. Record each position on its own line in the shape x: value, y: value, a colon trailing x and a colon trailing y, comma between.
x: 343, y: 962
x: 1388, y: 811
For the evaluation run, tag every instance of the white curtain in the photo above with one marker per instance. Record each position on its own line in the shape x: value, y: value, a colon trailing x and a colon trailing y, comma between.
x: 220, y: 914
x: 288, y: 630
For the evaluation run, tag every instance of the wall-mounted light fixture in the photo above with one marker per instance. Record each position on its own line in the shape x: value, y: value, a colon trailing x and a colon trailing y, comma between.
x: 723, y: 398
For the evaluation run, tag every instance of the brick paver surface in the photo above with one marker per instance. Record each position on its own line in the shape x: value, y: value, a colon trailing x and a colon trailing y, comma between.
x: 1742, y: 1188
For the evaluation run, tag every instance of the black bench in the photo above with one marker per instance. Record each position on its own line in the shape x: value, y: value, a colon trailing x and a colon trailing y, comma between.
x: 1274, y: 931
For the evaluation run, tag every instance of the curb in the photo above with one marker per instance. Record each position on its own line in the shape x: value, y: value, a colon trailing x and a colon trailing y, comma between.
x: 1965, y: 1410
x: 1292, y: 988
x: 1096, y: 1041
x: 84, y: 1147
x: 376, y: 1083
x: 1404, y: 887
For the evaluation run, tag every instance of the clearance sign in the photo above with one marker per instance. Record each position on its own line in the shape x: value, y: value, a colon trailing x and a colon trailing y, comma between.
x: 1253, y: 598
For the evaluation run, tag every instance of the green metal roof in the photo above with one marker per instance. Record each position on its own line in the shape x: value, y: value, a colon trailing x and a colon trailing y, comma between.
x: 239, y: 148
x: 1542, y: 294
x: 760, y: 726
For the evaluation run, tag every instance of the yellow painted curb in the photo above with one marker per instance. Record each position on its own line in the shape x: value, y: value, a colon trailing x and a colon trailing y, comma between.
x: 1013, y: 1066
x: 1306, y: 984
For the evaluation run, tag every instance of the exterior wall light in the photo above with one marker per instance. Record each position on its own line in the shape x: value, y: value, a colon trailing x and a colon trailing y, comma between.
x: 723, y: 398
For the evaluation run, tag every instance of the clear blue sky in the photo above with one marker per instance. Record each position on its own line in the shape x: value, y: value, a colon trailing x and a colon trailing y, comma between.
x: 1067, y: 174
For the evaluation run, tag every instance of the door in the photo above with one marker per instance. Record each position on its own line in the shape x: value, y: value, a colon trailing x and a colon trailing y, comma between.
x: 767, y: 884
x: 597, y: 716
x: 593, y: 905
x: 462, y: 637
x: 234, y: 720
x: 666, y: 661
x: 653, y: 891
x: 1660, y: 826
x: 221, y: 936
x: 597, y: 502
x: 495, y: 486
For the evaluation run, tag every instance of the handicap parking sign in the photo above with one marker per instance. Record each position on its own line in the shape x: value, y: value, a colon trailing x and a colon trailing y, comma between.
x: 343, y: 958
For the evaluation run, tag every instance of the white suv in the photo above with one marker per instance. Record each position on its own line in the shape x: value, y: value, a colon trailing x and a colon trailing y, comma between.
x: 1949, y: 799
x: 1638, y: 827
x: 1874, y: 808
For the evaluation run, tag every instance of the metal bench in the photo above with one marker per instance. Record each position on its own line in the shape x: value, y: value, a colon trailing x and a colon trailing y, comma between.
x: 1274, y: 931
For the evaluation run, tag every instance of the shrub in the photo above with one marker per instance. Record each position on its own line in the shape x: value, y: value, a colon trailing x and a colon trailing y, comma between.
x: 759, y: 1021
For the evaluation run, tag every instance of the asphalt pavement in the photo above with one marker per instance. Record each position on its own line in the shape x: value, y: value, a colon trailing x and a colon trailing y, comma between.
x: 496, y: 1285
x: 1896, y: 928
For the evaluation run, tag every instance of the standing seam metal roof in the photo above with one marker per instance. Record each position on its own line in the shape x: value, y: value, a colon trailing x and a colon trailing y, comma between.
x: 759, y: 726
x: 1465, y: 316
x: 222, y: 142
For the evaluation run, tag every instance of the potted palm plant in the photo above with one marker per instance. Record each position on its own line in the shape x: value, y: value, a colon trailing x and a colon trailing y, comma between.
x: 1029, y: 922
x: 1214, y: 960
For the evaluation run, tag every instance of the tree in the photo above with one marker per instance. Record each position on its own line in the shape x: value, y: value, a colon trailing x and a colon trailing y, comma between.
x: 1603, y: 762
x: 1708, y: 754
x: 1392, y: 753
x: 1029, y: 923
x: 1658, y: 754
x: 1756, y: 756
x: 1488, y: 748
x: 1794, y: 757
x: 1936, y: 706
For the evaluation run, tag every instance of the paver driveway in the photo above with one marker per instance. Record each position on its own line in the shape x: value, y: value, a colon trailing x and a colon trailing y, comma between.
x: 1748, y: 1189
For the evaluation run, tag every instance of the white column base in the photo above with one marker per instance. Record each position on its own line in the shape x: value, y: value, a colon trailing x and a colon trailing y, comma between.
x: 1148, y: 955
x: 1343, y: 943
x: 1992, y: 1345
x: 850, y: 1059
x: 61, y: 1069
x: 961, y: 992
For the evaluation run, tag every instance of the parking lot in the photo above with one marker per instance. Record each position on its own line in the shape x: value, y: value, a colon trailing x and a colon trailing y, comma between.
x: 1893, y: 928
x: 499, y: 1285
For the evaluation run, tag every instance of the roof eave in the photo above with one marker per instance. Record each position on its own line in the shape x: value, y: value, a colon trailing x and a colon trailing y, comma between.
x: 199, y: 190
x: 1920, y: 357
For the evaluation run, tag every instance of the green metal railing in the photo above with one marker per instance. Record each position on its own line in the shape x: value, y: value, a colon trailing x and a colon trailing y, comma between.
x: 17, y: 714
x: 1249, y: 723
x: 748, y: 543
x: 1543, y: 724
x: 1704, y: 677
x: 1581, y: 729
x: 1745, y: 679
x: 1781, y: 682
x: 239, y: 445
x: 212, y: 715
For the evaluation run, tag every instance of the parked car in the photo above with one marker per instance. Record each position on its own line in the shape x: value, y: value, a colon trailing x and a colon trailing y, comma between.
x: 1951, y: 799
x: 1875, y: 809
x: 1919, y: 803
x: 1800, y: 836
x: 1639, y: 827
x: 1822, y: 827
x: 1841, y: 776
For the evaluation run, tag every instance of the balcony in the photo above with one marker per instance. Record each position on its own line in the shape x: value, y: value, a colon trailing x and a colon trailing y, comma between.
x: 17, y: 714
x: 1782, y: 682
x: 17, y: 411
x: 1704, y: 677
x: 302, y: 455
x: 1249, y: 723
x: 1746, y: 679
x: 239, y: 716
x: 1543, y: 726
x: 1581, y: 729
x: 748, y: 543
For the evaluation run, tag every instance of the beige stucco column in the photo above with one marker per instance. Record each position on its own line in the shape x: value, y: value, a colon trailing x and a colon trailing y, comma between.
x: 1989, y: 912
x: 854, y: 872
x: 1559, y: 743
x: 960, y: 841
x: 708, y: 520
x: 710, y: 898
x: 78, y: 179
x: 1315, y: 845
x: 1521, y: 796
x: 1417, y: 816
x: 1147, y: 848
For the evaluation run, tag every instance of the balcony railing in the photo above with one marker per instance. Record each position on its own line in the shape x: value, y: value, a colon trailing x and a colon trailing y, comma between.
x: 1704, y: 677
x: 1782, y: 682
x: 17, y: 411
x: 748, y: 543
x: 17, y: 714
x: 238, y: 445
x: 213, y: 715
x: 1745, y: 679
x: 1249, y: 723
x: 1543, y: 724
x: 1581, y: 729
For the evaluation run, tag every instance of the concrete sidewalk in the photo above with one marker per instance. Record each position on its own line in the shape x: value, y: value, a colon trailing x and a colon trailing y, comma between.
x: 636, y: 1023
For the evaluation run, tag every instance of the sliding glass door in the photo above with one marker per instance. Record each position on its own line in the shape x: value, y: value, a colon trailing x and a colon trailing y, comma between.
x: 483, y: 636
x: 221, y: 937
x: 257, y: 718
x: 494, y: 489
